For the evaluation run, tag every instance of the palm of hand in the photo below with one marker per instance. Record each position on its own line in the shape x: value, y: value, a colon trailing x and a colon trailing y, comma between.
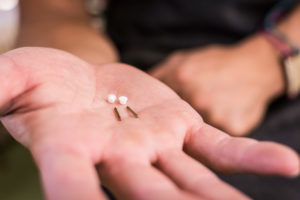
x: 57, y: 107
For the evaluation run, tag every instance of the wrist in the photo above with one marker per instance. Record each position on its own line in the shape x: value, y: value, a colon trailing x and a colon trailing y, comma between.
x: 268, y: 61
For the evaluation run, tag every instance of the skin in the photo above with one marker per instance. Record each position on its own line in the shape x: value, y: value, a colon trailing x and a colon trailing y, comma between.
x: 65, y: 25
x: 231, y: 86
x: 55, y: 104
x: 231, y: 92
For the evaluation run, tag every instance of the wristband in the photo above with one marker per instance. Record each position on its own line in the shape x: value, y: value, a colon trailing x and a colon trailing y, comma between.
x: 291, y: 63
x: 289, y: 53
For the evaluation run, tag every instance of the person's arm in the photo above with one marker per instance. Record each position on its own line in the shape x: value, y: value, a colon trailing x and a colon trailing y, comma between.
x: 61, y: 113
x: 64, y: 24
x: 291, y: 26
x: 231, y: 86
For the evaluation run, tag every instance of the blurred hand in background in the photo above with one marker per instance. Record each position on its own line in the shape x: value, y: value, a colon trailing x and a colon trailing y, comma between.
x: 231, y: 86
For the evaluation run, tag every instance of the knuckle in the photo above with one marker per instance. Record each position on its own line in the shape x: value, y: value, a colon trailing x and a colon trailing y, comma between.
x: 200, y: 101
x: 177, y: 54
x: 217, y: 118
x: 238, y: 128
x: 182, y: 74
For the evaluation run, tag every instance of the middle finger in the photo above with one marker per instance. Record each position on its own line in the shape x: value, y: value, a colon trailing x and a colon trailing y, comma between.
x: 193, y: 177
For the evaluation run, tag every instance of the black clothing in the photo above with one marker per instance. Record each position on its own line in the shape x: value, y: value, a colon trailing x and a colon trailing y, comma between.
x: 282, y: 125
x: 146, y: 31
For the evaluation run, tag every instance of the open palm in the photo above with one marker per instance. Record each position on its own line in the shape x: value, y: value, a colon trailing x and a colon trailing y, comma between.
x: 55, y: 104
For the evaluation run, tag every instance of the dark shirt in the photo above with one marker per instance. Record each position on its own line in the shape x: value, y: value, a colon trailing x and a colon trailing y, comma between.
x: 146, y: 31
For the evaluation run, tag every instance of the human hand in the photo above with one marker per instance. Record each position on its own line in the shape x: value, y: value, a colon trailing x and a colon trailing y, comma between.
x: 55, y: 104
x: 231, y: 86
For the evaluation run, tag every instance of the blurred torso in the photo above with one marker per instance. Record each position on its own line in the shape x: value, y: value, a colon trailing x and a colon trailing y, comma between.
x: 147, y: 31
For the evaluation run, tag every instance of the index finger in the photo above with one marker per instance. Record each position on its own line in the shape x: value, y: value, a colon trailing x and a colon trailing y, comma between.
x: 68, y: 175
x: 236, y: 154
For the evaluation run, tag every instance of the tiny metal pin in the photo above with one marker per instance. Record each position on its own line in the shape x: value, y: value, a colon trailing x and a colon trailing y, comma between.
x: 117, y: 114
x: 132, y: 112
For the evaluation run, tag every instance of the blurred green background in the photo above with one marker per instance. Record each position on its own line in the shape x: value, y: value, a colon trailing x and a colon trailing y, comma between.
x: 19, y: 179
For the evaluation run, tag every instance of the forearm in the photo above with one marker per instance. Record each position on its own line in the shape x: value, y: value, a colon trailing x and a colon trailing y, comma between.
x: 63, y: 25
x: 291, y: 26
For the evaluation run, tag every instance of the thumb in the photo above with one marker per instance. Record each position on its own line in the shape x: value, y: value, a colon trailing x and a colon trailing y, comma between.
x: 13, y: 82
x: 241, y: 124
x: 25, y: 68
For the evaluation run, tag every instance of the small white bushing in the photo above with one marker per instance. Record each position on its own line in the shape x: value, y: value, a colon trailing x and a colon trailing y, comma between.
x: 123, y: 100
x: 111, y: 98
